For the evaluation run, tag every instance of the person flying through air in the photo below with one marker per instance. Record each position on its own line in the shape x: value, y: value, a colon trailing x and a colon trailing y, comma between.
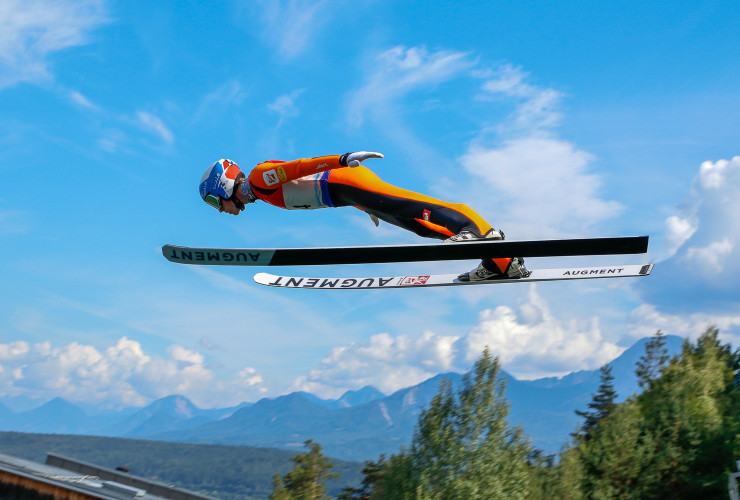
x: 340, y: 181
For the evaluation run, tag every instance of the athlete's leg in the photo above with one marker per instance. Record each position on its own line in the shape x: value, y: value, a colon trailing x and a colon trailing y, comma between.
x: 426, y: 216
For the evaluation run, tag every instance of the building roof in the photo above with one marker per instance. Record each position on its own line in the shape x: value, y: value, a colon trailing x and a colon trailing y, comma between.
x: 102, y: 483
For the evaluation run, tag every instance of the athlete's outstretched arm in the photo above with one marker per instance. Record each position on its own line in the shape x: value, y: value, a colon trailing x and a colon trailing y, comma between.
x: 271, y: 173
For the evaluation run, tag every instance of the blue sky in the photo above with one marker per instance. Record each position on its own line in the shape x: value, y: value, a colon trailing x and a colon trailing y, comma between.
x: 551, y: 119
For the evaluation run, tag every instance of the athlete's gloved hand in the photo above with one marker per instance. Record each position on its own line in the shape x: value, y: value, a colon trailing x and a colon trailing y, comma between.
x: 354, y: 159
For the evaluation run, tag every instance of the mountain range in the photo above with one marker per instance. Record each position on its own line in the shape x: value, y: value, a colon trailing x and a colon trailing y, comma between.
x: 358, y: 426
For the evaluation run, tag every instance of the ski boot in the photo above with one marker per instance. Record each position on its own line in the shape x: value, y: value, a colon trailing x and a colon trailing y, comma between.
x: 466, y: 235
x: 514, y: 270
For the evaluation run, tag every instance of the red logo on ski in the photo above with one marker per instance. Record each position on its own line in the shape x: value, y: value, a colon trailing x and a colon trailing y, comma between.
x: 413, y: 280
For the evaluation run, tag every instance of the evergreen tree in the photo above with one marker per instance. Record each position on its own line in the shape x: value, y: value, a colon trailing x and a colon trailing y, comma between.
x: 306, y: 480
x: 613, y: 461
x: 692, y: 411
x: 373, y: 472
x: 653, y: 361
x: 463, y: 447
x: 601, y: 404
x: 278, y: 489
x: 678, y: 439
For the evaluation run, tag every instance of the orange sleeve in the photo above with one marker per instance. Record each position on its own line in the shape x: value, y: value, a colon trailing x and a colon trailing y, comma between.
x: 270, y: 174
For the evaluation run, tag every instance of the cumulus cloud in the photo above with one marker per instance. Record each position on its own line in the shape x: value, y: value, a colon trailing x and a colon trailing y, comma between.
x: 678, y: 231
x: 517, y: 169
x: 30, y: 30
x: 386, y: 362
x: 121, y: 374
x: 540, y: 185
x: 647, y: 319
x: 699, y: 262
x: 705, y: 232
x: 531, y: 342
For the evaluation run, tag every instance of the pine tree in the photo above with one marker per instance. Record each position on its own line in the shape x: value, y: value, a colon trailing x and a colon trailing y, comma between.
x: 678, y: 439
x: 306, y: 480
x: 602, y: 403
x: 463, y: 447
x: 650, y: 364
x: 278, y: 489
x: 614, y: 459
x: 373, y: 472
x: 692, y: 410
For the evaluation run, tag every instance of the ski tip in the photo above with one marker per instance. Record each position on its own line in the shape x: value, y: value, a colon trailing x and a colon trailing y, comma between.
x: 646, y: 269
x: 263, y: 278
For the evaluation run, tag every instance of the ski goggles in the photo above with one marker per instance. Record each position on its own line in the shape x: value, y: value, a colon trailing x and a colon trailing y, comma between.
x: 214, y: 201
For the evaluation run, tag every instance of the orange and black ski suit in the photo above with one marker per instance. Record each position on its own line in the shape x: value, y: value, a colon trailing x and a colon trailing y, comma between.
x: 321, y: 182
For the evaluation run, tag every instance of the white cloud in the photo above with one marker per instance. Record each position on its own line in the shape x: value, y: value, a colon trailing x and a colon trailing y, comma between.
x: 696, y: 280
x: 383, y: 361
x: 716, y: 175
x: 285, y: 105
x: 396, y: 72
x: 679, y: 230
x: 30, y: 30
x: 537, y: 108
x: 122, y: 374
x: 541, y: 186
x: 712, y: 257
x: 81, y: 100
x: 228, y: 95
x: 703, y: 236
x: 532, y: 181
x: 292, y: 25
x: 14, y: 350
x: 646, y: 319
x: 156, y: 125
x: 531, y: 342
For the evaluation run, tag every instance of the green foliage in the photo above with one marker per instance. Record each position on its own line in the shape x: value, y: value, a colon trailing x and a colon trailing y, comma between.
x: 678, y: 439
x: 279, y: 491
x: 651, y: 364
x: 601, y: 405
x: 306, y: 480
x: 692, y: 411
x: 373, y: 472
x: 463, y: 447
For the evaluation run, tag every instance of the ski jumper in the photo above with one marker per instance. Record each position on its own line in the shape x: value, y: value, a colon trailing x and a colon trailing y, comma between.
x: 312, y: 183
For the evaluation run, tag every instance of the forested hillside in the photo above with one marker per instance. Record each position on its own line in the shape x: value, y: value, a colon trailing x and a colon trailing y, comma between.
x: 225, y: 472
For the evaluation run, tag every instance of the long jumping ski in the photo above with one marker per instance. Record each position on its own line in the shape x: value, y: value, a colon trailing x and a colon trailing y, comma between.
x: 403, y: 253
x: 571, y: 273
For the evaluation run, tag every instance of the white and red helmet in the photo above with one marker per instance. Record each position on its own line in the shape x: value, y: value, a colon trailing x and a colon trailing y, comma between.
x: 218, y: 182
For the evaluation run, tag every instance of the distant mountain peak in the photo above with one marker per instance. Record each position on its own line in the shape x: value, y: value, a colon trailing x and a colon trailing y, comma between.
x: 360, y: 396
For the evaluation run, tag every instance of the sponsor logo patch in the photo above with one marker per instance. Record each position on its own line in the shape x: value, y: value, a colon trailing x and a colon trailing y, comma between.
x: 281, y: 174
x: 270, y: 177
x: 427, y: 214
x: 414, y: 280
